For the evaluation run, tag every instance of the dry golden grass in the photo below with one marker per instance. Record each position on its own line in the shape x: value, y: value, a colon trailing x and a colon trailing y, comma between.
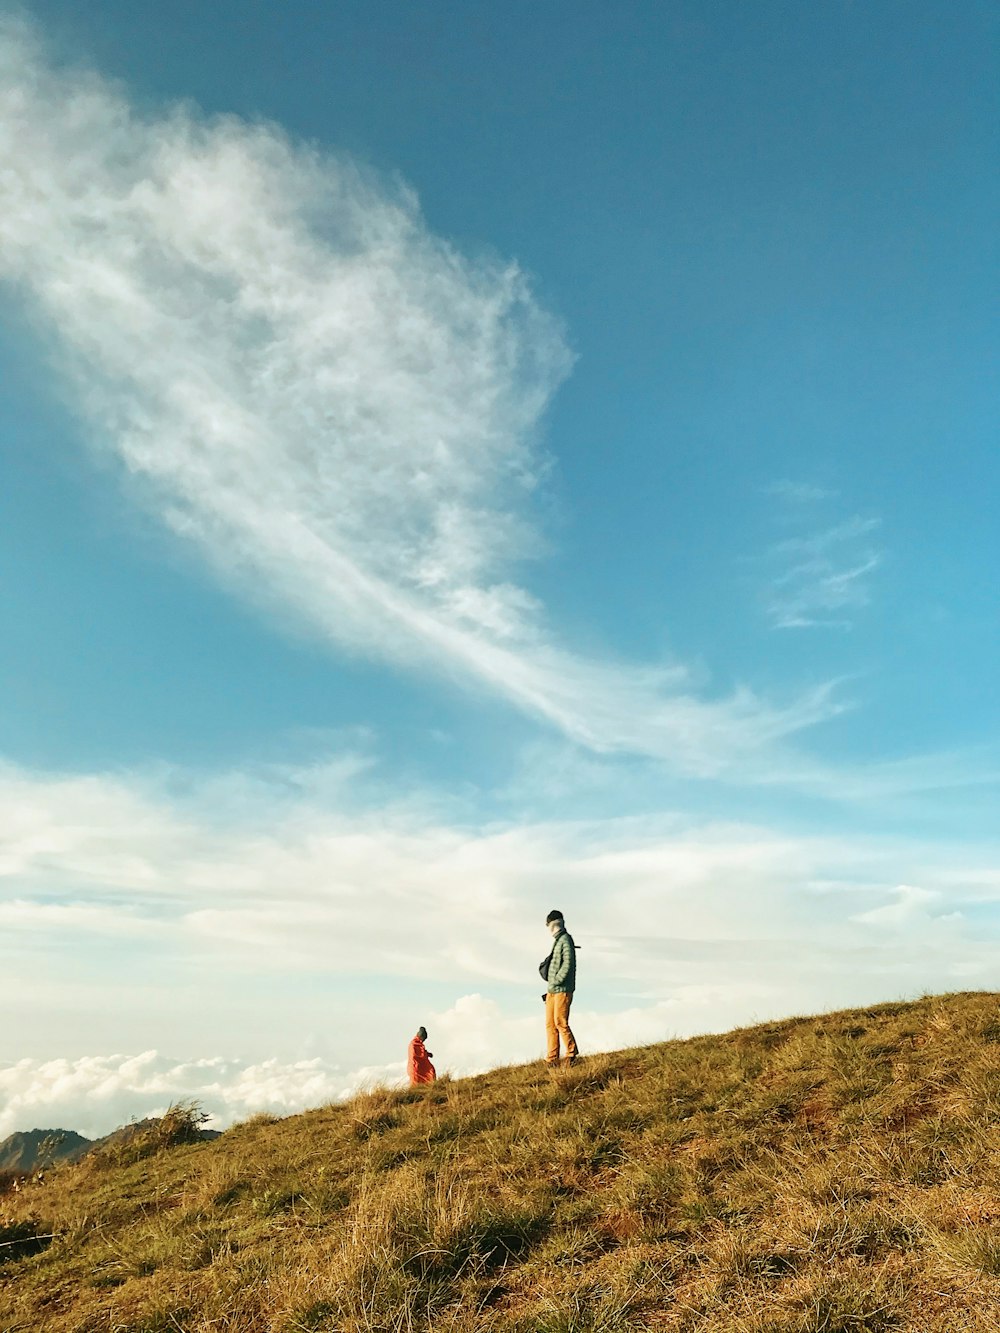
x: 838, y: 1174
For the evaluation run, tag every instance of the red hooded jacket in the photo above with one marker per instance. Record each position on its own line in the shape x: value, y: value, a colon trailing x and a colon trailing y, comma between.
x: 418, y: 1064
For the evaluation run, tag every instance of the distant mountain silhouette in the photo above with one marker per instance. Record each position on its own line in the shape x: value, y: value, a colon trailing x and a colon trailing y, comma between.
x: 27, y: 1150
x: 34, y: 1149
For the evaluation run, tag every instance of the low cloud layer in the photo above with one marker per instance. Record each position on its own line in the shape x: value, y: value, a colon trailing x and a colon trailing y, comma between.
x: 279, y: 917
x: 295, y: 868
x: 93, y: 1094
x: 335, y: 406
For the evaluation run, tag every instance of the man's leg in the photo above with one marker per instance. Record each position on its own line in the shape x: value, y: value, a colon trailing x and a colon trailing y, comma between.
x: 563, y: 1028
x: 551, y: 1031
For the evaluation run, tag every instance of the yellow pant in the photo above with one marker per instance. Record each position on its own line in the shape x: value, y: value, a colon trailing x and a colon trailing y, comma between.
x: 557, y: 1025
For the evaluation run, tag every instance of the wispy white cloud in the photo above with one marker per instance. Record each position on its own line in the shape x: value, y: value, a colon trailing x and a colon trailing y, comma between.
x: 818, y: 578
x: 798, y: 492
x: 914, y: 786
x: 338, y: 408
x: 39, y: 916
x: 910, y: 904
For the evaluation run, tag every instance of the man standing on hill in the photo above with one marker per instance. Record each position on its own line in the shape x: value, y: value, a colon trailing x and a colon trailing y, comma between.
x: 418, y: 1060
x: 561, y: 978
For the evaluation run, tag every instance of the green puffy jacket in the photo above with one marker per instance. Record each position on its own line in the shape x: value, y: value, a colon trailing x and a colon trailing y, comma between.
x: 562, y: 969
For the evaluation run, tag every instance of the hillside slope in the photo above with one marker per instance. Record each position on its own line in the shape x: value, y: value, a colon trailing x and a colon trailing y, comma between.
x: 838, y: 1174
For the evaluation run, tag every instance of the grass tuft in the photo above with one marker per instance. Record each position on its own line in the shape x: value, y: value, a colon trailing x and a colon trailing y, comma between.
x: 180, y: 1124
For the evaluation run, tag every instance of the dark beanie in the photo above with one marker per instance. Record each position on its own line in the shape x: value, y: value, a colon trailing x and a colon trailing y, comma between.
x: 422, y: 1033
x: 554, y: 915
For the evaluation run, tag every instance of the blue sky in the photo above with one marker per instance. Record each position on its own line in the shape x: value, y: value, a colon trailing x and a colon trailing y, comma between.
x: 454, y: 459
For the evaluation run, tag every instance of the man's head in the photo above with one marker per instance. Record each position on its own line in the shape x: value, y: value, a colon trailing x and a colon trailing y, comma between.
x: 422, y: 1033
x: 554, y: 921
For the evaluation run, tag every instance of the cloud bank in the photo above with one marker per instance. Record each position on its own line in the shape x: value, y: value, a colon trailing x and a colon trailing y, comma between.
x: 335, y: 406
x: 294, y: 869
x: 275, y: 916
x: 93, y: 1094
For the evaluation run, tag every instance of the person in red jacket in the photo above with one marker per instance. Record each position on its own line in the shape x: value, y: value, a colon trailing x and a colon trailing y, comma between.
x: 418, y: 1063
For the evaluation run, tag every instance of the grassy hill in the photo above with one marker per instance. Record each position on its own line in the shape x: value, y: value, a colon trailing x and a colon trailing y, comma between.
x: 838, y: 1174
